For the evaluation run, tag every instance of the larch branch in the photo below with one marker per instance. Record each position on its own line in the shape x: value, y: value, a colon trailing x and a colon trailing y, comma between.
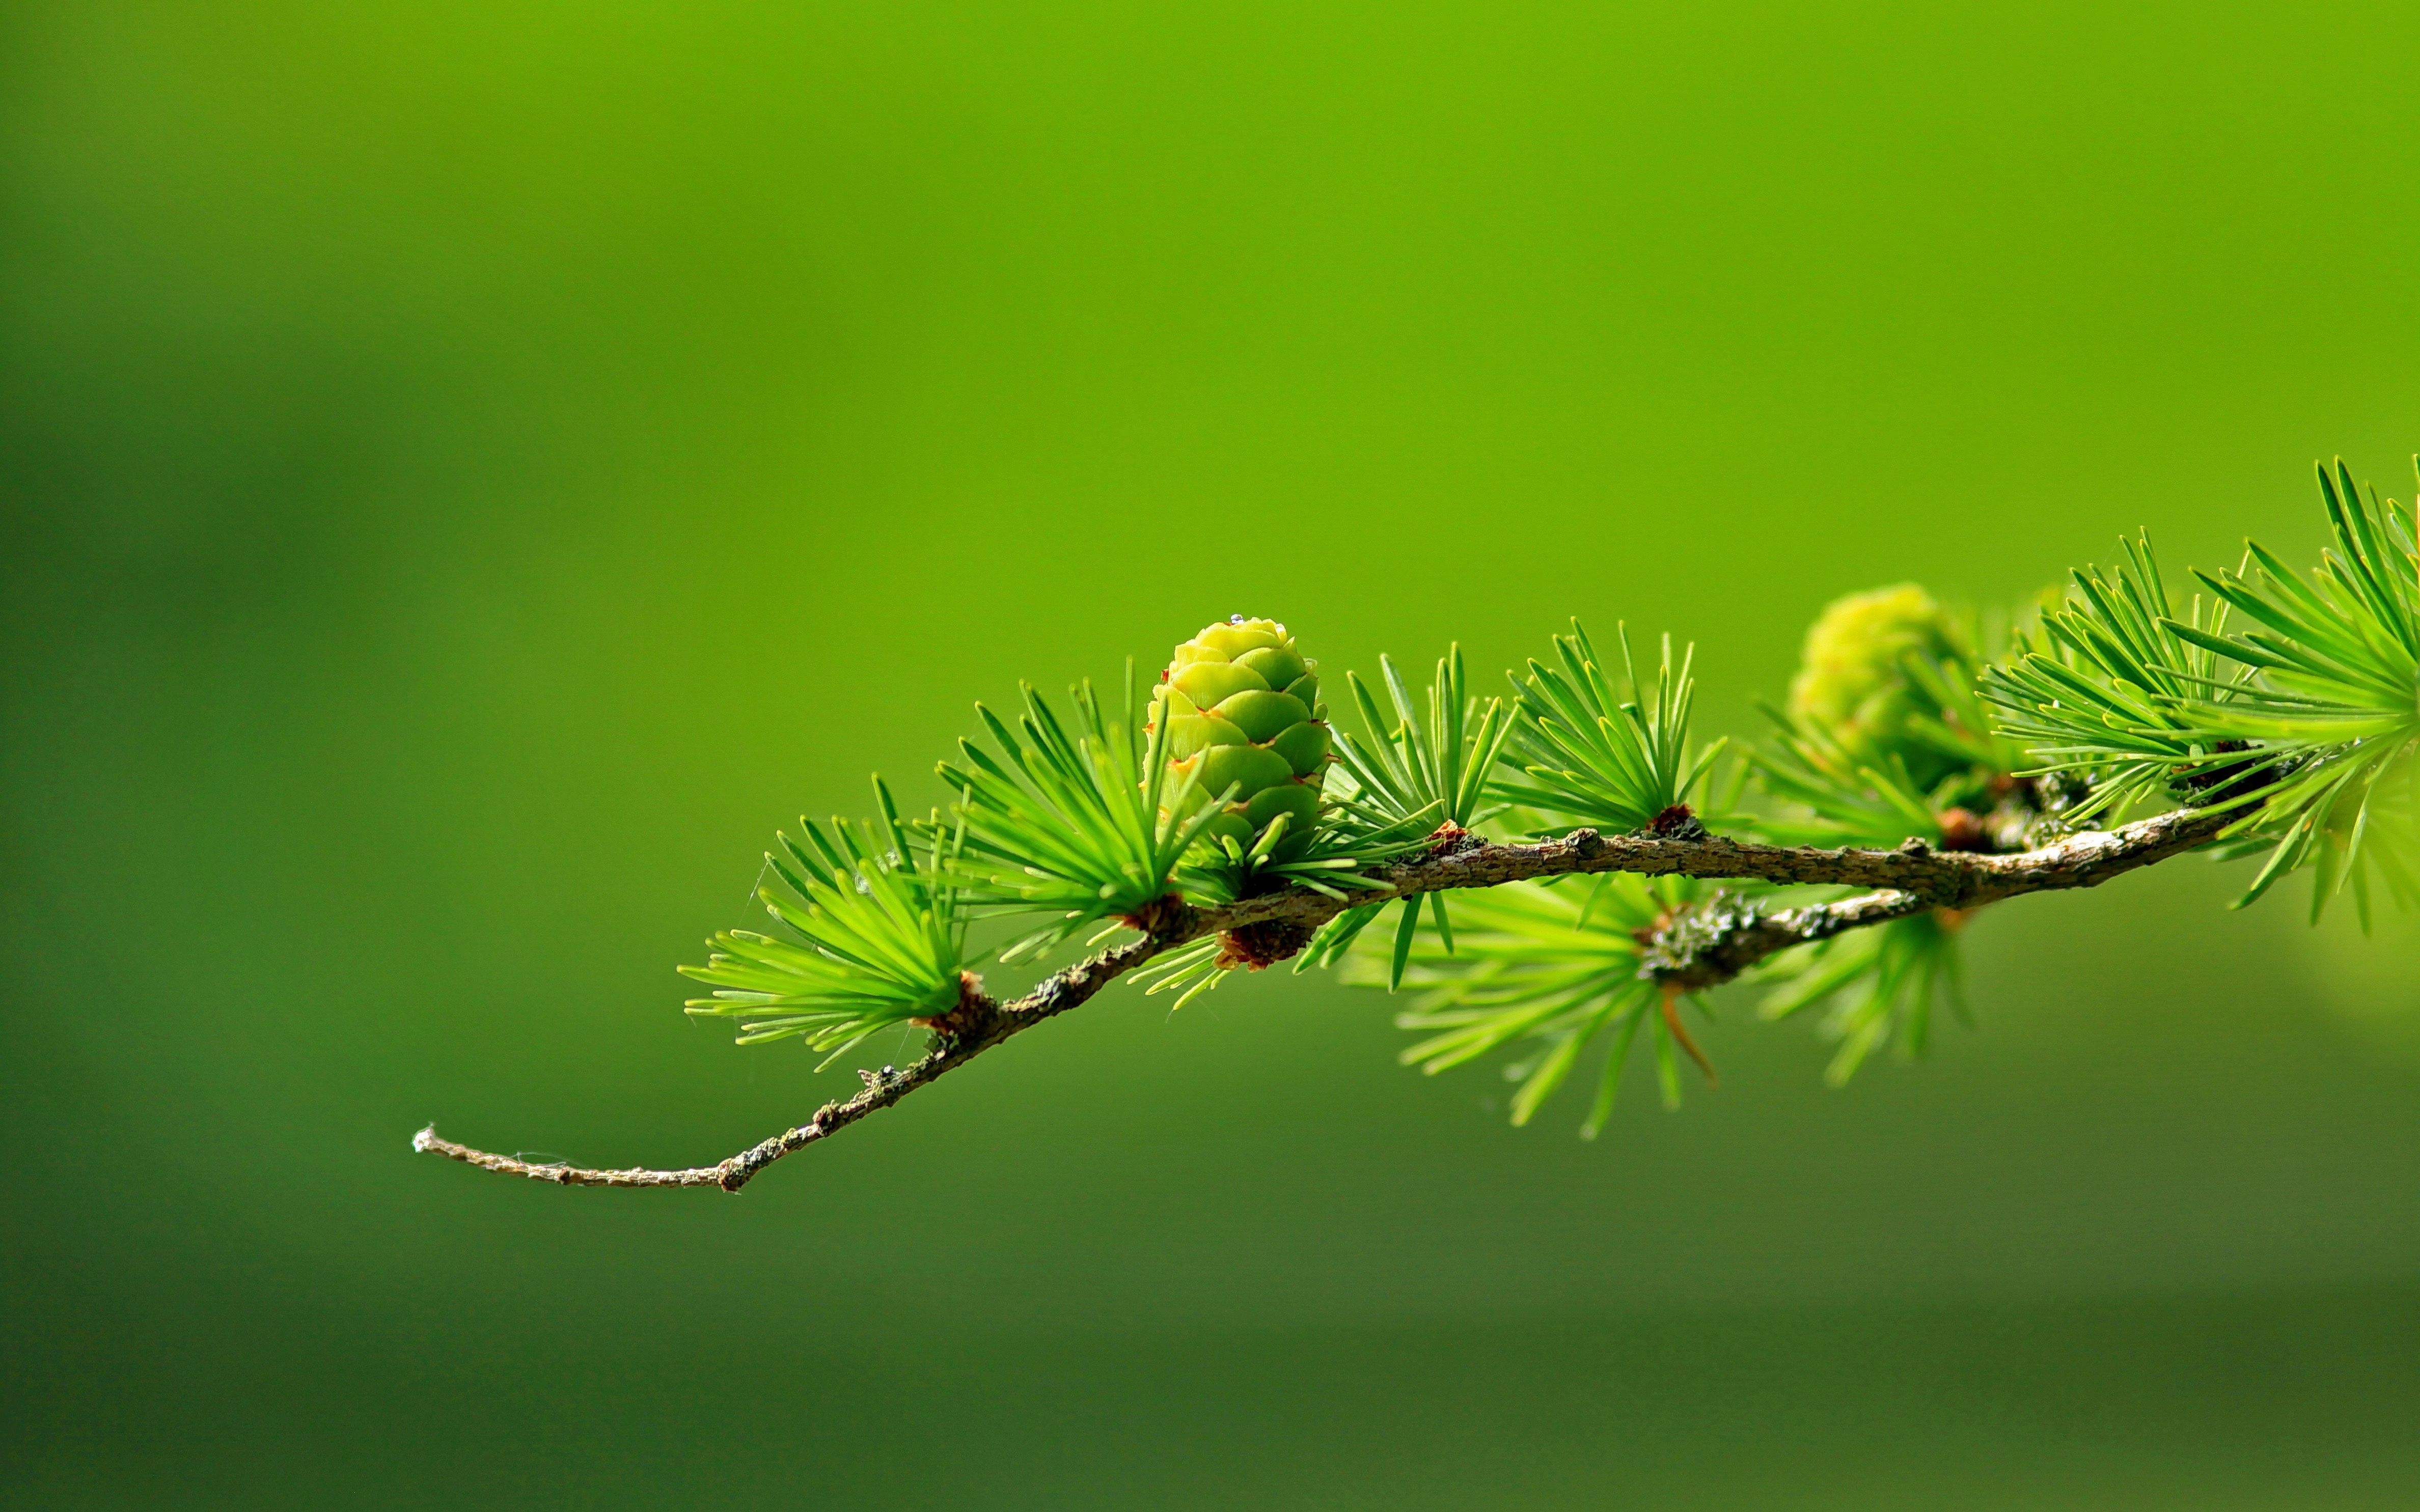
x: 1704, y: 948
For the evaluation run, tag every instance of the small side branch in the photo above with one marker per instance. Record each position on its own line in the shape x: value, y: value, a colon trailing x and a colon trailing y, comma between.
x: 1715, y: 942
x: 991, y: 1023
x: 428, y: 1142
x: 1708, y: 948
x: 1710, y: 944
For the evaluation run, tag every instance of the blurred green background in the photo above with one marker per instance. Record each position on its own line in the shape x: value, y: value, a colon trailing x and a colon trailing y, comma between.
x: 472, y: 471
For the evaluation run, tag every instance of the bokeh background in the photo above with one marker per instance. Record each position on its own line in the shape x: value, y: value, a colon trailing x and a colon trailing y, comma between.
x: 472, y: 471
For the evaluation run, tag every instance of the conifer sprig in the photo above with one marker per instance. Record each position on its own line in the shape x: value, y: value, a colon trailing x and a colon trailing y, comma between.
x: 1433, y: 757
x: 1347, y: 842
x: 2116, y: 689
x: 1549, y: 970
x: 2306, y: 724
x: 1832, y: 795
x: 2333, y: 701
x: 1883, y: 984
x: 1416, y: 771
x: 1347, y: 838
x: 877, y: 937
x: 1588, y: 753
x: 1078, y: 825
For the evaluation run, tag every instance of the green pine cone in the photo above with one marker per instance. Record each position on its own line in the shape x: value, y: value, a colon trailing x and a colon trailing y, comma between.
x: 1243, y: 709
x: 1854, y: 649
x: 1850, y: 677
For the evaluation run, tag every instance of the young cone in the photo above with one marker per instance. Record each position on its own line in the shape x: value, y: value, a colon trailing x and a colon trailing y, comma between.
x: 1243, y: 712
x: 1852, y: 681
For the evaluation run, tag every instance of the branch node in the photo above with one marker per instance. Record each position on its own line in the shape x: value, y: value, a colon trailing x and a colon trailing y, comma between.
x: 1679, y: 821
x: 1168, y: 916
x: 1264, y: 945
x: 975, y: 1011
